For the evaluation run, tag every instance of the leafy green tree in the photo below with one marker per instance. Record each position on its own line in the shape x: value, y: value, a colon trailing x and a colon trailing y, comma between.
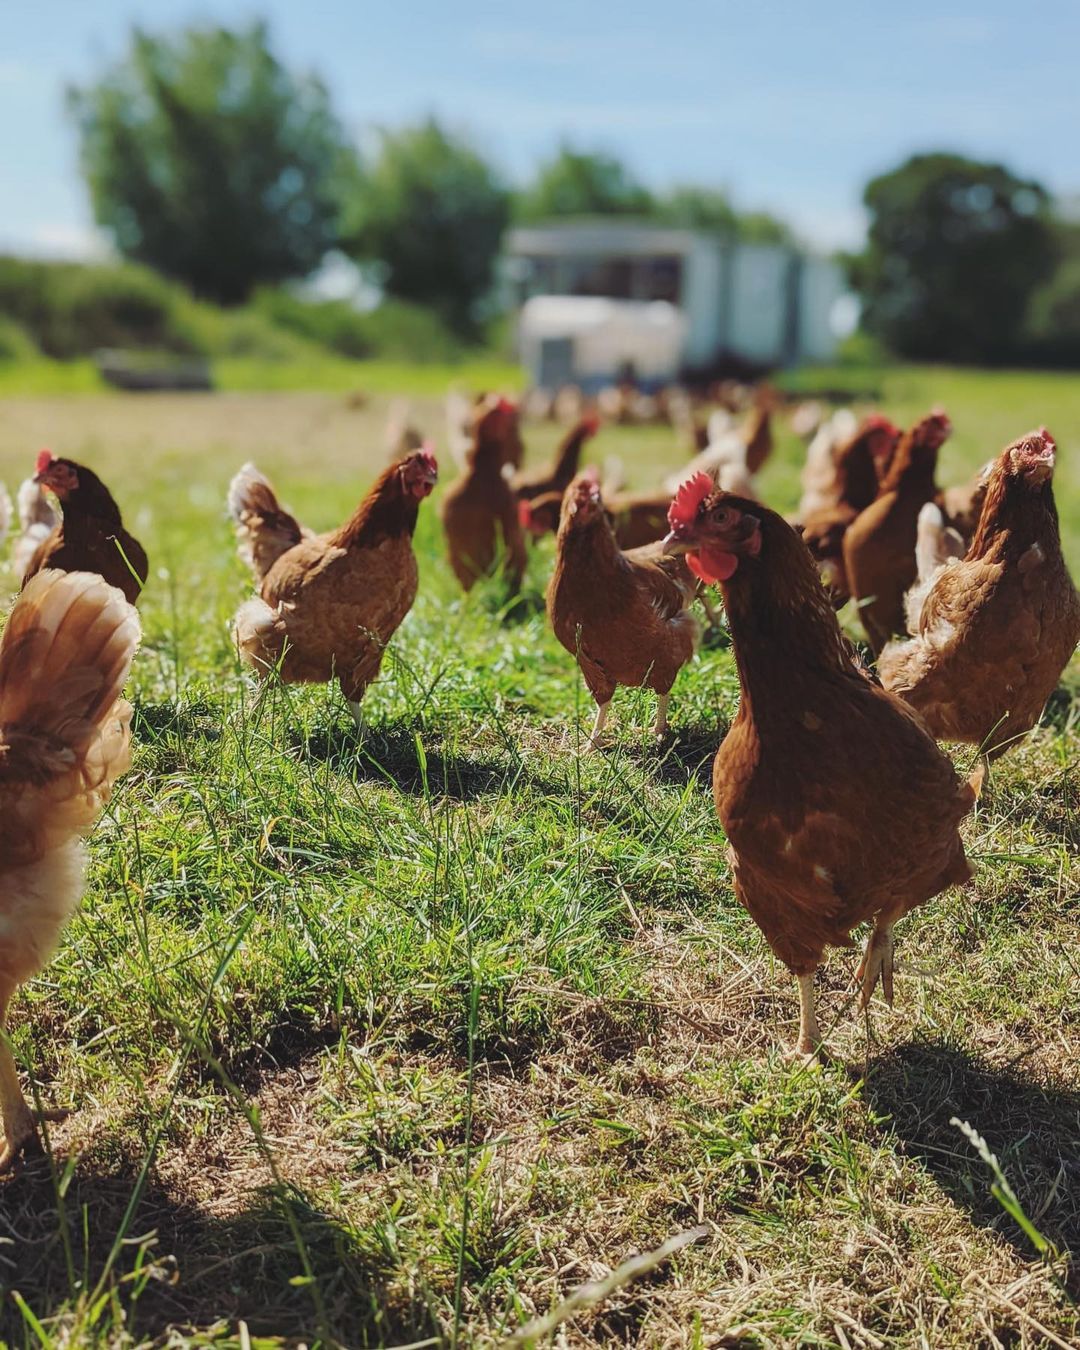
x: 1053, y: 316
x: 956, y: 248
x: 762, y: 227
x: 208, y: 160
x: 699, y: 208
x: 582, y: 183
x: 430, y: 214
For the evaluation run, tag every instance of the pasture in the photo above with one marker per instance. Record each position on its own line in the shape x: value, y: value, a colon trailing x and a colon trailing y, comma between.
x: 398, y: 1042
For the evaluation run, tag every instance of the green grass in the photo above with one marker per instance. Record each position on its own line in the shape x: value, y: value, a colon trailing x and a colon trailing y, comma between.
x: 324, y: 372
x: 400, y: 1042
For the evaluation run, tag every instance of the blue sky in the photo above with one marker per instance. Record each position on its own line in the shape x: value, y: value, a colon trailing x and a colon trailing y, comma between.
x: 789, y: 106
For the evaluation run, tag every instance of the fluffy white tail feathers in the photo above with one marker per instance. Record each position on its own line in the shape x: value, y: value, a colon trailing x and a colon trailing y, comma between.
x: 936, y: 546
x: 37, y: 520
x: 264, y: 529
x: 64, y: 729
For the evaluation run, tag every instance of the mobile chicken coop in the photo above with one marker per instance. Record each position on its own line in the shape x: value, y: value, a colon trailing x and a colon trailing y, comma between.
x: 602, y: 300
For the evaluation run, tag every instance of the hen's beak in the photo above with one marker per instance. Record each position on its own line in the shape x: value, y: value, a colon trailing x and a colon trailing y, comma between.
x: 673, y: 546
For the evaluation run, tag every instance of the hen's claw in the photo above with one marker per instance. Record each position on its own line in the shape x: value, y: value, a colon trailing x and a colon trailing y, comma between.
x: 22, y: 1133
x: 877, y: 964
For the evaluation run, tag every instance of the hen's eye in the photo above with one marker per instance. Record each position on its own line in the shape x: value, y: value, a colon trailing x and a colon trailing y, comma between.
x: 724, y: 516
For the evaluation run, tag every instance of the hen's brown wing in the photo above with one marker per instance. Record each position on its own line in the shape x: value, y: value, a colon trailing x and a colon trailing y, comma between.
x: 993, y: 638
x: 264, y: 529
x: 666, y: 579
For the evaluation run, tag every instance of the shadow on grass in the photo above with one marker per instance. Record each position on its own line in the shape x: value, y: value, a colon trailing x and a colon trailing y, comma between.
x: 687, y: 754
x: 240, y: 1266
x: 1033, y: 1129
x: 691, y: 754
x: 522, y: 607
x: 1062, y: 708
x: 153, y: 722
x: 393, y: 758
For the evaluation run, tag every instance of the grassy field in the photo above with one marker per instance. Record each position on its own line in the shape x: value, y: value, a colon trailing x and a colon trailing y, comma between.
x: 399, y: 1042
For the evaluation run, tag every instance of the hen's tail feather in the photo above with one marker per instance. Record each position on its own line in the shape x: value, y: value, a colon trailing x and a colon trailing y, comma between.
x: 35, y: 508
x: 27, y: 545
x: 259, y: 635
x: 64, y: 730
x: 936, y: 542
x: 264, y: 529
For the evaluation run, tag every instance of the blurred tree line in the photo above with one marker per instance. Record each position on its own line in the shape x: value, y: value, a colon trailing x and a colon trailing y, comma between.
x: 965, y: 262
x: 209, y: 161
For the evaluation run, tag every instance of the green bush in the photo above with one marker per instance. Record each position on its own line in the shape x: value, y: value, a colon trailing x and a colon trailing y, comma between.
x: 16, y: 343
x: 400, y: 331
x: 1053, y: 318
x: 331, y: 323
x: 862, y: 349
x: 396, y: 330
x: 72, y: 309
x: 68, y: 310
x: 242, y: 333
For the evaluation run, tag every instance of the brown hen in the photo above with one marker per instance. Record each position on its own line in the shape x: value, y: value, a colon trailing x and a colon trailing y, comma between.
x: 90, y: 536
x: 838, y: 806
x: 996, y: 629
x: 558, y: 475
x: 480, y: 511
x: 879, y: 545
x: 622, y: 615
x: 859, y: 467
x: 329, y: 604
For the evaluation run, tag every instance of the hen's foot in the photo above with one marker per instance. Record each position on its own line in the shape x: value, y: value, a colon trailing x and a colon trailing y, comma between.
x: 21, y: 1134
x: 877, y: 964
x: 808, y: 1047
x: 595, y: 741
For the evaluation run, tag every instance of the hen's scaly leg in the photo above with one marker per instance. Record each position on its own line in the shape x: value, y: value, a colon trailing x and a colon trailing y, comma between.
x: 598, y: 726
x: 661, y: 725
x: 357, y: 715
x: 877, y: 964
x: 20, y: 1124
x: 809, y: 1031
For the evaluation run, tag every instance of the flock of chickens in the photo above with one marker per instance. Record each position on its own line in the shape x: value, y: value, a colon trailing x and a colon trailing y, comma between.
x: 838, y: 805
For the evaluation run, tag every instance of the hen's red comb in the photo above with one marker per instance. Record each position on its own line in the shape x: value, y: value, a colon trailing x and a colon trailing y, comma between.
x: 879, y: 422
x: 44, y: 459
x: 689, y: 498
x: 506, y: 405
x: 525, y: 514
x: 591, y: 423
